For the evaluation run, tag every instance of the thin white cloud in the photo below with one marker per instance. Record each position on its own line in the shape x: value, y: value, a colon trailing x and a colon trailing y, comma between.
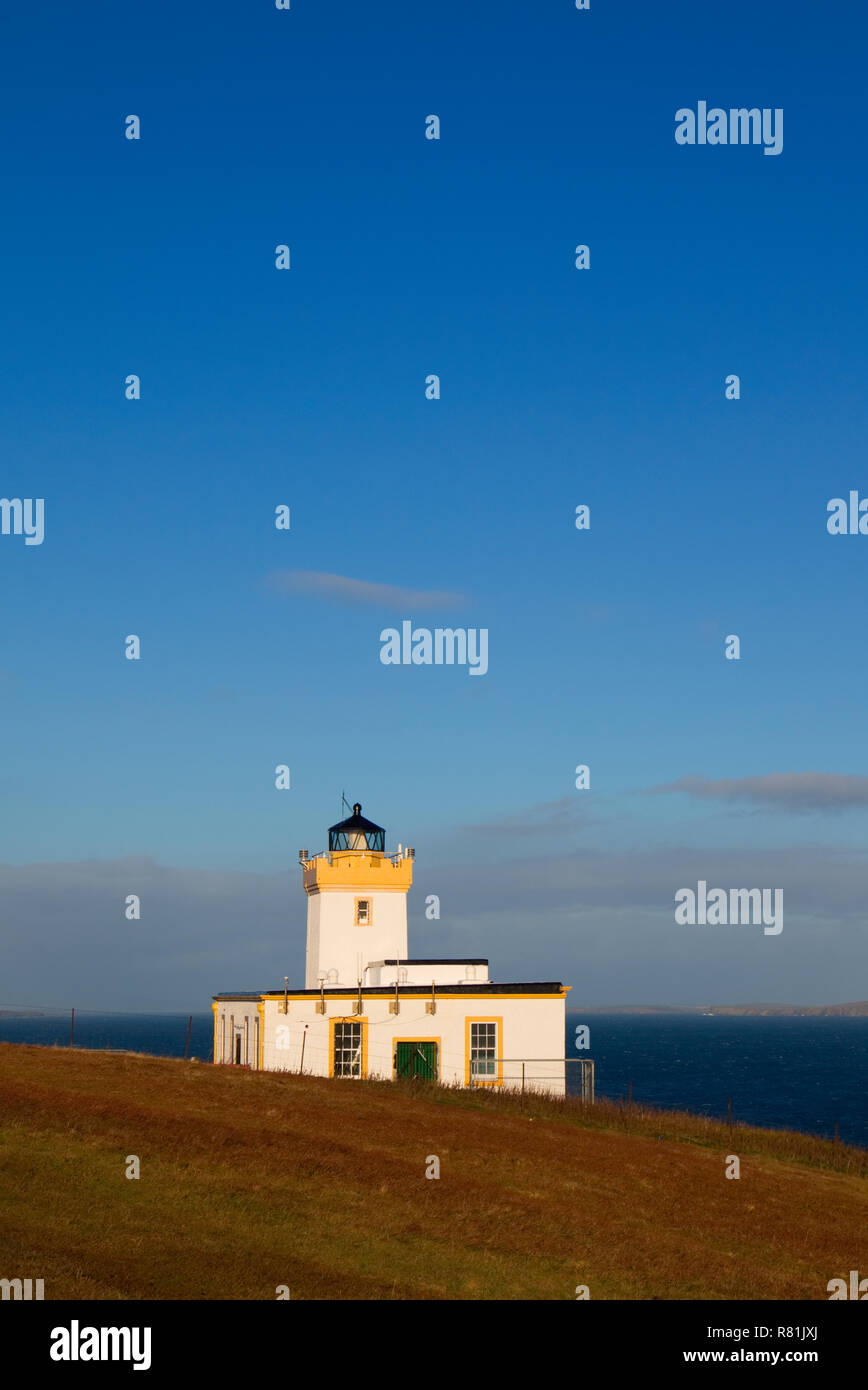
x: 343, y: 589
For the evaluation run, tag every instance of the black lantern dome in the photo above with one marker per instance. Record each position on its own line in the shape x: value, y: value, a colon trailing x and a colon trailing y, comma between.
x: 357, y: 833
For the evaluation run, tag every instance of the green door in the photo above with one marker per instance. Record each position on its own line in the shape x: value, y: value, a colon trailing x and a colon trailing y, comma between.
x: 416, y: 1059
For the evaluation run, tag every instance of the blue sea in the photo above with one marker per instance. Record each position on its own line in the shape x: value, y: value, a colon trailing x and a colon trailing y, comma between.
x: 779, y: 1072
x: 789, y: 1073
x: 164, y: 1035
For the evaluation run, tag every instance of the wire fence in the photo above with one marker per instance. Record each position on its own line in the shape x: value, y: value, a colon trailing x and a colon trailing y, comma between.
x: 376, y: 1058
x: 160, y: 1034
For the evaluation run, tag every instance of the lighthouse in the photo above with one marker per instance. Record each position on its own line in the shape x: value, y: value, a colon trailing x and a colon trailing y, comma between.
x: 356, y: 903
x: 369, y: 1010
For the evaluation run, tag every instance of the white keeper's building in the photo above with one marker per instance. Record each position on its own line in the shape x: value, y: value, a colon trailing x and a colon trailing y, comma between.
x: 368, y: 1009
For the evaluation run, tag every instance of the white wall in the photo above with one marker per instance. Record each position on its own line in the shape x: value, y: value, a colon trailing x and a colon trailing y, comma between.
x: 532, y: 1030
x: 231, y: 1015
x: 453, y: 973
x: 311, y: 971
x: 335, y: 943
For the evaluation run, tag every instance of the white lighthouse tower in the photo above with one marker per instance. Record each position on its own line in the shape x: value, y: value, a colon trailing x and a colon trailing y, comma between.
x: 356, y: 903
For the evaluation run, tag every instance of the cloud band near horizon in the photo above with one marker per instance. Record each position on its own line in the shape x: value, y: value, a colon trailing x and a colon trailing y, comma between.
x: 786, y: 791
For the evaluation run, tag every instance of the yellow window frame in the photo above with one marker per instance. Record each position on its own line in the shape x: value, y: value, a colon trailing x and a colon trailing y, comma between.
x: 349, y: 1018
x: 488, y: 1081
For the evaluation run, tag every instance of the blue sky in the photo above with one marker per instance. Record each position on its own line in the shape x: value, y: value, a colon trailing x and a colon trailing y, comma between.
x: 306, y: 387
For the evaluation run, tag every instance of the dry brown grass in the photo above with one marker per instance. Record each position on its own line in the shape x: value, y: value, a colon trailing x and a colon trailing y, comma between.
x: 252, y: 1180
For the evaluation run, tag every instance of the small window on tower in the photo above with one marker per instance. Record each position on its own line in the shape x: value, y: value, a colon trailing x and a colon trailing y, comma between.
x: 363, y: 912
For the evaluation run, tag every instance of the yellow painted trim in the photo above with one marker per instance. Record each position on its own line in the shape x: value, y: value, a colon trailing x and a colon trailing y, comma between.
x: 214, y: 1051
x: 351, y: 887
x: 349, y: 1018
x: 438, y: 1041
x: 441, y: 994
x: 498, y: 1081
x: 370, y: 920
x: 260, y: 1009
x: 366, y: 870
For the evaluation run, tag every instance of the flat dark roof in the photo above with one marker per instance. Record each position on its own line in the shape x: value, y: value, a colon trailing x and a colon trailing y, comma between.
x: 470, y: 986
x: 418, y: 960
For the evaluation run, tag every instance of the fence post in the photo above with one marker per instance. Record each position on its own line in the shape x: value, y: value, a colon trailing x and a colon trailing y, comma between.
x: 71, y: 1027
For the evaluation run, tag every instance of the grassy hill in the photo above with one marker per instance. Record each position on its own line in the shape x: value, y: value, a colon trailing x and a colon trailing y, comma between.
x: 252, y: 1180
